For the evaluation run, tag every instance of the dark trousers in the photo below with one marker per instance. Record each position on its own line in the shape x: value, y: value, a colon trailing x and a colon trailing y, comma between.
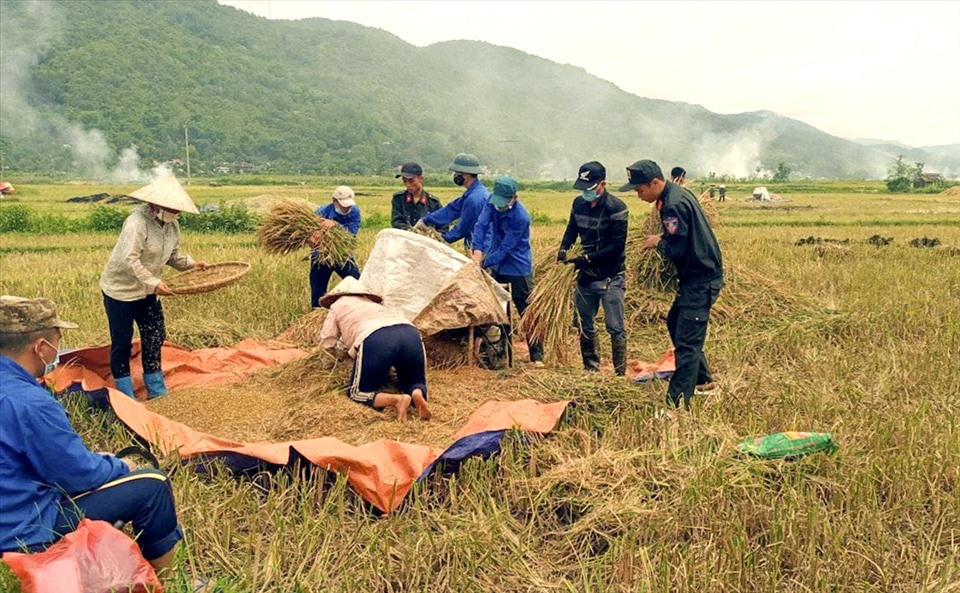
x: 143, y: 497
x: 520, y: 289
x: 588, y: 299
x: 147, y: 313
x: 320, y: 277
x: 687, y: 324
x: 397, y: 347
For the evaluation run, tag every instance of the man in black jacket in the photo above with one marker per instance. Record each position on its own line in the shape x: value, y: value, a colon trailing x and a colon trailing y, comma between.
x: 688, y: 241
x: 599, y: 219
x: 414, y: 202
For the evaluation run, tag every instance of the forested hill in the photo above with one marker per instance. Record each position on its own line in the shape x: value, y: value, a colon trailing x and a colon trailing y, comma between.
x: 83, y: 80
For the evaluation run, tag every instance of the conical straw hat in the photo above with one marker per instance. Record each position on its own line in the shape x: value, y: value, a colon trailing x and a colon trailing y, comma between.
x: 349, y: 286
x: 167, y: 192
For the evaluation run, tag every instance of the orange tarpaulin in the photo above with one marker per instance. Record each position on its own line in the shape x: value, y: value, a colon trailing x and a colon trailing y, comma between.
x: 382, y: 472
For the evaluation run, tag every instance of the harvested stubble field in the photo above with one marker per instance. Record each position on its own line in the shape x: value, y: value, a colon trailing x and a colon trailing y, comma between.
x: 864, y: 346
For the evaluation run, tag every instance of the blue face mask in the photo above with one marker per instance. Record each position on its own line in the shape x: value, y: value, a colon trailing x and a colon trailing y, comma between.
x: 49, y: 366
x: 589, y: 195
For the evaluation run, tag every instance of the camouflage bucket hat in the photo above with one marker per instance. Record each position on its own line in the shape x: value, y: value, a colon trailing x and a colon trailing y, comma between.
x: 23, y: 316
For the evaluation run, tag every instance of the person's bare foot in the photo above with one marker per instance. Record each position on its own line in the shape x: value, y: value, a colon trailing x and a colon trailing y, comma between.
x: 421, y: 404
x: 402, y: 406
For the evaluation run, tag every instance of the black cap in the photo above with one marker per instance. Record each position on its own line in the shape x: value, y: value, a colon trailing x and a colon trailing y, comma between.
x: 409, y: 171
x: 590, y: 175
x: 641, y: 172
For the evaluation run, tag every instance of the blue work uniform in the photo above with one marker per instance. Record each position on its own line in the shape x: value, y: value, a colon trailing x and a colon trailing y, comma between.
x: 504, y: 239
x: 48, y: 476
x: 320, y: 273
x: 467, y: 208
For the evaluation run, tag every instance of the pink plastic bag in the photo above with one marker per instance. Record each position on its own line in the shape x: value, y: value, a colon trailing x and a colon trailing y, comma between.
x: 96, y: 558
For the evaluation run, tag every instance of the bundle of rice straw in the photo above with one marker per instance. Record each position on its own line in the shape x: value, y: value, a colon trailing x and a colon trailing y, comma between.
x: 427, y: 231
x: 550, y: 307
x: 647, y: 268
x: 289, y: 226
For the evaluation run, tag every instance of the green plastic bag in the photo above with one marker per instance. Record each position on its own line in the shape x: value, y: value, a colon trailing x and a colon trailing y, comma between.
x: 788, y: 445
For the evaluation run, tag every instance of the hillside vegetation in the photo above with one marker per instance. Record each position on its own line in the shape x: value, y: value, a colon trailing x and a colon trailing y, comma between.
x: 329, y: 97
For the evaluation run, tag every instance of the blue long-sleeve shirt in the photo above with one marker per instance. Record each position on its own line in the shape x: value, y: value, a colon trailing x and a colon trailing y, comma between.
x: 42, y: 460
x: 467, y: 208
x: 349, y: 221
x: 504, y: 239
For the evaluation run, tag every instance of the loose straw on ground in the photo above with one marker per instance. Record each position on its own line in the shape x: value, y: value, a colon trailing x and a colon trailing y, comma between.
x: 289, y: 226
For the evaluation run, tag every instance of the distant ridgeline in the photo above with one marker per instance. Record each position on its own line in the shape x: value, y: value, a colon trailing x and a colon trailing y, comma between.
x: 82, y: 81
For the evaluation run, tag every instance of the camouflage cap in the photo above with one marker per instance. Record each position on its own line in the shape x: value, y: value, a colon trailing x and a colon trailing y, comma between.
x: 22, y: 316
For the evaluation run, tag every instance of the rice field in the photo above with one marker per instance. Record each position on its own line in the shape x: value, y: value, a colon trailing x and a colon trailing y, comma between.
x: 861, y: 342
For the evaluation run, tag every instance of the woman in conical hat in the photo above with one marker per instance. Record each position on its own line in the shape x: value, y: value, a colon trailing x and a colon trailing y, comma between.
x: 378, y: 339
x: 131, y: 281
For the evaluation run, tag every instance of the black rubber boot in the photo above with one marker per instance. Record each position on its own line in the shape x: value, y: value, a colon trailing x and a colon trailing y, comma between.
x: 619, y: 356
x: 588, y: 350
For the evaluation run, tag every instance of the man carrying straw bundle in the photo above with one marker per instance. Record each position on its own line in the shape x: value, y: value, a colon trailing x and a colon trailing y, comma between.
x: 131, y: 282
x: 378, y: 340
x: 688, y: 241
x: 599, y: 219
x: 466, y: 208
x: 414, y: 202
x: 502, y: 245
x: 342, y: 210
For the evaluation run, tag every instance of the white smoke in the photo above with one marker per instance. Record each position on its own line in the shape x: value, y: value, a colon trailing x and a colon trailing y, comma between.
x: 27, y: 31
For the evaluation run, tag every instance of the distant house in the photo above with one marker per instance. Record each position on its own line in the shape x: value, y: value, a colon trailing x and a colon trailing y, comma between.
x: 925, y: 179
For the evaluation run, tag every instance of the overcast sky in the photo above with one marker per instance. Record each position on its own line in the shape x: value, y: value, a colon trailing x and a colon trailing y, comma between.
x: 886, y: 70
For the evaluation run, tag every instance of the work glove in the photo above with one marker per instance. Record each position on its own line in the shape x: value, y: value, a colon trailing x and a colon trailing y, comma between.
x: 579, y: 262
x: 562, y: 256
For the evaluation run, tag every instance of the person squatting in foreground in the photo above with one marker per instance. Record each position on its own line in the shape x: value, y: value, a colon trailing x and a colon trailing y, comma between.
x: 378, y: 340
x: 50, y: 480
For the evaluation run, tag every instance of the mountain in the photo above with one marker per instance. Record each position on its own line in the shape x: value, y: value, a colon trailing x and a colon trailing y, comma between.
x: 82, y: 81
x: 940, y: 159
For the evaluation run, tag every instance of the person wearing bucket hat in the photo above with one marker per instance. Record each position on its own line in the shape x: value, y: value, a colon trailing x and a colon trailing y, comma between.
x: 599, y: 220
x: 501, y: 244
x: 131, y: 281
x: 379, y: 340
x: 466, y: 208
x: 413, y: 203
x: 342, y: 210
x: 688, y: 241
x: 49, y: 479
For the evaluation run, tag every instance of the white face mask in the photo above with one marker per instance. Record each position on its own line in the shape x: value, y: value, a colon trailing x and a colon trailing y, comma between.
x: 164, y: 216
x: 49, y: 366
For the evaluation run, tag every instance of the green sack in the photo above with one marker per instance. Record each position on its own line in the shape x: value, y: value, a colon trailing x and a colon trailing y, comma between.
x: 788, y: 445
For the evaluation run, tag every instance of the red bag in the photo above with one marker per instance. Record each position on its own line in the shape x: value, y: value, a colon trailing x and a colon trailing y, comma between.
x: 96, y: 558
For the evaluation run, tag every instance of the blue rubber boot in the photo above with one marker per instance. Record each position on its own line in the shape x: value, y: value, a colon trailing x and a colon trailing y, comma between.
x: 125, y: 385
x: 156, y: 387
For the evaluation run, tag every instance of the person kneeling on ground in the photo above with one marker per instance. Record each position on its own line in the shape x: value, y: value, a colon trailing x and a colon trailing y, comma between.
x: 49, y: 480
x: 378, y: 340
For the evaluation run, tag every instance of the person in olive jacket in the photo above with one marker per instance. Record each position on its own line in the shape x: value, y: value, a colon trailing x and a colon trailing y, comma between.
x: 414, y: 202
x: 688, y: 241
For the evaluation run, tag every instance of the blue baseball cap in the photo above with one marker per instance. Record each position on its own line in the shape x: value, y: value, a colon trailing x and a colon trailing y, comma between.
x: 504, y: 189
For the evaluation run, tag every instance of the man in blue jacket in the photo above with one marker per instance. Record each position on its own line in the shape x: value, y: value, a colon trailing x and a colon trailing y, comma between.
x: 49, y: 480
x: 502, y: 245
x: 688, y: 241
x: 466, y: 208
x: 342, y: 210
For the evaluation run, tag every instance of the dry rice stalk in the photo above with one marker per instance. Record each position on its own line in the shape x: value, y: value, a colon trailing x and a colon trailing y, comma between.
x: 427, y: 231
x: 290, y: 225
x: 305, y: 332
x: 647, y: 268
x: 550, y: 307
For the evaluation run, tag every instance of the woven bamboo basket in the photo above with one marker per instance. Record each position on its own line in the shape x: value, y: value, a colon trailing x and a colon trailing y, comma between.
x: 212, y: 277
